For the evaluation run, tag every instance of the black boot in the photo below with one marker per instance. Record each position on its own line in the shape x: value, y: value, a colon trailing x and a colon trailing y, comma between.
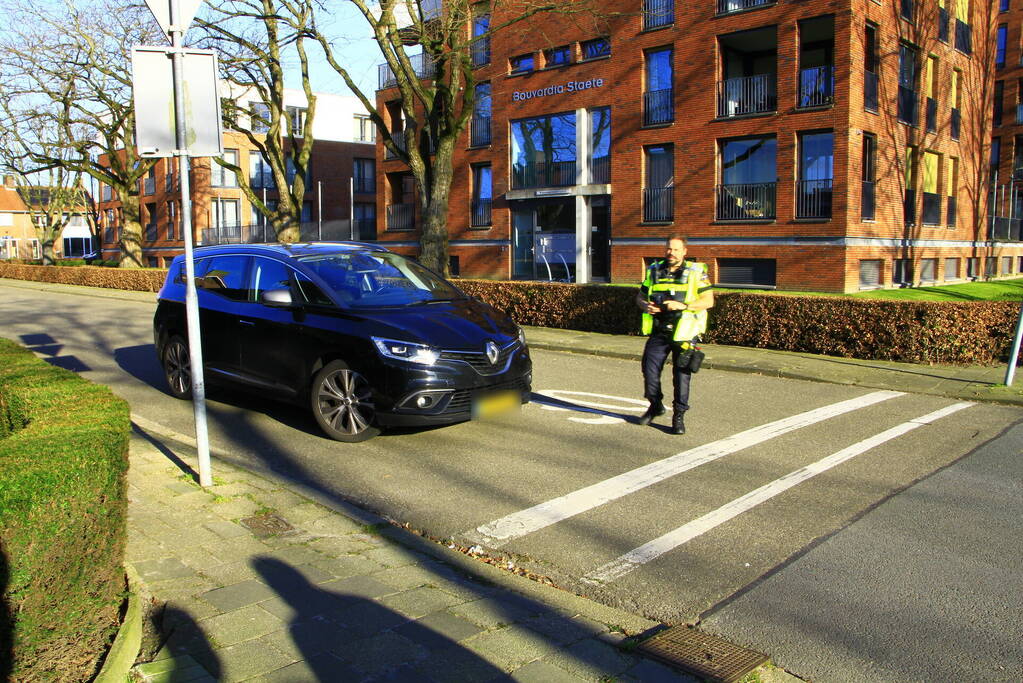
x: 678, y: 426
x: 653, y: 411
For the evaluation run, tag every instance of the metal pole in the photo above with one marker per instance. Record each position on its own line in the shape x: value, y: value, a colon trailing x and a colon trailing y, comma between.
x: 351, y: 208
x: 191, y: 298
x: 1010, y: 371
x: 319, y: 210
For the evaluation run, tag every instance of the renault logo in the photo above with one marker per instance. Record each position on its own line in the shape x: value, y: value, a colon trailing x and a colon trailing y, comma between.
x: 492, y: 352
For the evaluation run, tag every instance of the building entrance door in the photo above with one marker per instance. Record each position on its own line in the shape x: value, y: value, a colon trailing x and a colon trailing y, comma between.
x: 543, y: 240
x: 600, y: 242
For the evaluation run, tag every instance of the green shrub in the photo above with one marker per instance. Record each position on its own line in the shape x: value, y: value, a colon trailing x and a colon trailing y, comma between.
x: 62, y: 517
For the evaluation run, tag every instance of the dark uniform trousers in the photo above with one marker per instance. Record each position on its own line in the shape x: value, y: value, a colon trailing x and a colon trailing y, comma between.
x: 655, y: 353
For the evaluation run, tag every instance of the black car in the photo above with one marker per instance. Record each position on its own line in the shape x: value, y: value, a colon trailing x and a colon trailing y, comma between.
x: 366, y: 337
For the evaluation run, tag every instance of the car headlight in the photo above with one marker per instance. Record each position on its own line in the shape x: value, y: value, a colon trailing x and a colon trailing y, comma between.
x: 522, y: 337
x: 407, y: 351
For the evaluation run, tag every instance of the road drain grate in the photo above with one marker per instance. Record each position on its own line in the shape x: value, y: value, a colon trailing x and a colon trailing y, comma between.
x: 702, y: 654
x: 269, y: 524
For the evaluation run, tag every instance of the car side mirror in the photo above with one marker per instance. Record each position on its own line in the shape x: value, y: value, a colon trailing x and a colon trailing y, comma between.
x: 277, y: 298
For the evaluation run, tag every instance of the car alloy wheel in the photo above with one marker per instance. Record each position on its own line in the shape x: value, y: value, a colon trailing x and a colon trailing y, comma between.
x: 177, y: 368
x: 342, y: 402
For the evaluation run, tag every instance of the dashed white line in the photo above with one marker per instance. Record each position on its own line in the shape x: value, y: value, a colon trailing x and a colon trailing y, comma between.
x: 501, y: 531
x: 645, y: 553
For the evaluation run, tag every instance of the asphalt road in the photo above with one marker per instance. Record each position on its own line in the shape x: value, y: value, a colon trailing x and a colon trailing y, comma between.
x: 570, y: 488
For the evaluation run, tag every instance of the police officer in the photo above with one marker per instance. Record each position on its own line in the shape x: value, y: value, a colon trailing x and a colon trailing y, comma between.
x: 674, y: 299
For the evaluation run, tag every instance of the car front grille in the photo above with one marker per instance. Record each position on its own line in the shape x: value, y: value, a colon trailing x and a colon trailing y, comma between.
x: 479, y: 361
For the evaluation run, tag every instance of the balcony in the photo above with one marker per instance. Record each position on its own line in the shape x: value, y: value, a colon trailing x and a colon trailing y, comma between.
x: 658, y: 13
x: 816, y: 86
x: 481, y: 212
x: 479, y: 52
x: 870, y: 91
x: 813, y: 198
x: 544, y: 174
x: 868, y: 205
x: 401, y: 216
x: 168, y: 185
x: 964, y: 38
x: 399, y: 141
x: 943, y: 24
x: 932, y: 209
x: 747, y: 95
x: 955, y: 123
x: 950, y: 212
x: 909, y: 207
x: 907, y: 105
x: 659, y: 204
x: 658, y: 107
x: 422, y: 64
x: 932, y: 115
x: 730, y: 6
x: 600, y: 170
x: 1005, y: 229
x: 479, y: 131
x: 746, y: 201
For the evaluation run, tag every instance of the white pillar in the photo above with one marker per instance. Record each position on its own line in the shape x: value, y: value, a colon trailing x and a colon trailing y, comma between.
x: 583, y: 219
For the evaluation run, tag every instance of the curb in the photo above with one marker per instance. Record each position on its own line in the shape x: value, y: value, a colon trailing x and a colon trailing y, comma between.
x: 125, y: 648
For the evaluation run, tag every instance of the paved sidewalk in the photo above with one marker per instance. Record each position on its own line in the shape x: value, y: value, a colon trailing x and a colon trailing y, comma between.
x: 342, y: 598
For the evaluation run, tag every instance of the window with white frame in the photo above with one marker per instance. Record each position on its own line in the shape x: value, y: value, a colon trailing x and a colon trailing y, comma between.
x: 365, y: 131
x: 225, y: 216
x: 223, y: 177
x: 37, y: 250
x: 296, y: 119
x: 8, y: 247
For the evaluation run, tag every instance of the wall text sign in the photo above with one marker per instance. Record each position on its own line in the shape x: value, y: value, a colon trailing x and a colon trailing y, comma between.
x: 561, y: 89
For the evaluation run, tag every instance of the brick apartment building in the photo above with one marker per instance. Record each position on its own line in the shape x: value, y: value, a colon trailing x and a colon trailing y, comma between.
x: 340, y: 199
x: 1005, y: 202
x: 831, y: 145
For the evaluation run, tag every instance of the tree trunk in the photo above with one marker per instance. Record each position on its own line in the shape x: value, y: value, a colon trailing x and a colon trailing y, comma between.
x: 433, y: 239
x: 131, y: 231
x: 49, y: 237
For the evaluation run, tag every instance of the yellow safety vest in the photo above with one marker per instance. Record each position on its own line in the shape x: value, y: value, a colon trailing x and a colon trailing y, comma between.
x: 689, y: 323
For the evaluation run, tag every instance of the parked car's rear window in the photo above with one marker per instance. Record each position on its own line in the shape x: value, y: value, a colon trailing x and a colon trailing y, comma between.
x: 363, y: 279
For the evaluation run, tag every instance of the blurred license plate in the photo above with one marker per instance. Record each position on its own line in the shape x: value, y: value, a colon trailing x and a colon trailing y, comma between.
x: 488, y: 405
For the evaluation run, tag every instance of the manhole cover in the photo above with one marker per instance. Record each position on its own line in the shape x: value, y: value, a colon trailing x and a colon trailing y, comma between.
x: 269, y: 524
x: 702, y: 654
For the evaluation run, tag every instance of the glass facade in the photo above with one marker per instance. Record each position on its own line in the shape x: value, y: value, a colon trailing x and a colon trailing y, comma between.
x: 544, y: 151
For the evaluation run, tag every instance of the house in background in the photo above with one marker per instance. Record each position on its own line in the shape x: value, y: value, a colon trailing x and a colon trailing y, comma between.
x: 340, y: 199
x: 18, y: 236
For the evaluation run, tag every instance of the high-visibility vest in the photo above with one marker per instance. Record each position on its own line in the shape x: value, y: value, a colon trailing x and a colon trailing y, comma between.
x: 689, y: 323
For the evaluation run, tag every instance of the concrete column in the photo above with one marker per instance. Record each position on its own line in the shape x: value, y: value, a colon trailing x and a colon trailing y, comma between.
x: 583, y: 219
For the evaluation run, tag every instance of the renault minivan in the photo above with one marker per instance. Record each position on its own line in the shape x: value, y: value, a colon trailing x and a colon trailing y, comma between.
x: 366, y: 338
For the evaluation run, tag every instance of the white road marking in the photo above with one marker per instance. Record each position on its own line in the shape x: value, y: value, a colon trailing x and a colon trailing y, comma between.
x: 645, y: 553
x: 499, y: 532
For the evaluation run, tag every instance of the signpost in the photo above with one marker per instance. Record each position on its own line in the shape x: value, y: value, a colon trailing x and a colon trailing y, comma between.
x: 188, y: 124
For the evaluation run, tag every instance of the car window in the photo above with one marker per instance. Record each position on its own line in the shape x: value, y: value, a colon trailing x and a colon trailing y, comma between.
x: 363, y: 279
x: 311, y: 292
x: 268, y: 274
x: 226, y: 277
x: 198, y: 265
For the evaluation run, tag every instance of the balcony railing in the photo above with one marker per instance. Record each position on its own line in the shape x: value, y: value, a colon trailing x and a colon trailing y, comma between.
x: 399, y: 142
x: 364, y: 229
x: 747, y: 95
x: 907, y: 105
x: 868, y: 205
x: 932, y: 115
x: 931, y: 214
x: 659, y: 204
x: 149, y: 186
x: 422, y: 64
x: 729, y: 6
x: 813, y: 198
x: 955, y: 123
x: 746, y: 201
x: 401, y: 216
x: 950, y: 212
x: 1006, y: 229
x: 870, y: 90
x: 817, y: 86
x: 600, y: 170
x: 658, y: 13
x: 481, y: 211
x: 151, y: 233
x: 658, y: 107
x: 943, y: 24
x: 479, y: 131
x: 365, y: 184
x: 906, y: 9
x: 480, y: 51
x: 544, y: 174
x: 909, y: 207
x: 168, y: 183
x: 964, y: 37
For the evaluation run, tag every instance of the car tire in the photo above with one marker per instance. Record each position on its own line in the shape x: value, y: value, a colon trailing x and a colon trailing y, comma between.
x: 342, y: 403
x: 177, y: 368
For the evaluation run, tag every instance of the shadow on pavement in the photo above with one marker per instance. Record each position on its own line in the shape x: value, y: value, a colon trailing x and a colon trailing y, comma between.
x: 48, y: 347
x: 183, y: 636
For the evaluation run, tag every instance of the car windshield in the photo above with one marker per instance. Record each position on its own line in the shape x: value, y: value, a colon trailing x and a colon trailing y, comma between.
x: 364, y: 279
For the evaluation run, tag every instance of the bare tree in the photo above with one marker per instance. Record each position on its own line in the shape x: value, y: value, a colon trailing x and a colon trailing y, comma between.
x: 437, y: 87
x: 254, y: 39
x: 65, y: 69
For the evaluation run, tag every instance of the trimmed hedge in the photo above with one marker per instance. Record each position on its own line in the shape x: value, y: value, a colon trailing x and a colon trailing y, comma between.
x: 968, y: 333
x: 62, y: 518
x: 135, y: 279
